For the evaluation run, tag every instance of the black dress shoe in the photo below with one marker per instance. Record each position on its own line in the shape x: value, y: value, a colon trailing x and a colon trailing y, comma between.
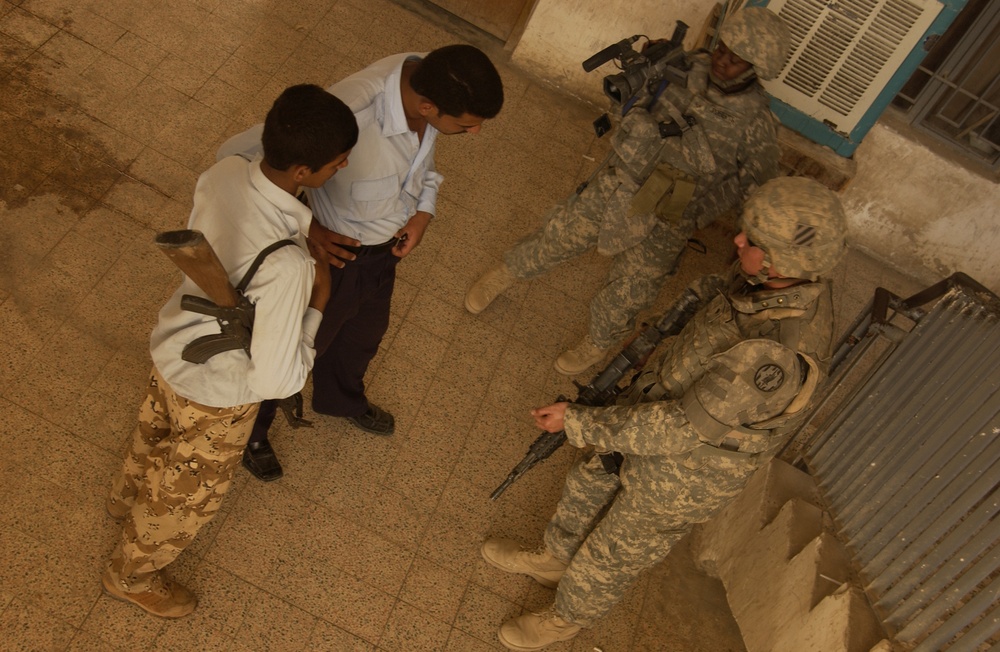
x: 260, y: 460
x: 376, y: 421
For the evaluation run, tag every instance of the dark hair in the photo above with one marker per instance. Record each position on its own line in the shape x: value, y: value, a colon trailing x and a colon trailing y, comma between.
x: 459, y: 79
x: 307, y: 126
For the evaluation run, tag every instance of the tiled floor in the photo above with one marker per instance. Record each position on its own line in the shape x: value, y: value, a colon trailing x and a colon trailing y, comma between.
x: 109, y: 109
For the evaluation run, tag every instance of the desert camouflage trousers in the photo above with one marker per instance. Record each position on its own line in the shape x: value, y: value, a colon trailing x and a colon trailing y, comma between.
x: 637, y: 273
x: 179, y: 465
x: 611, y: 528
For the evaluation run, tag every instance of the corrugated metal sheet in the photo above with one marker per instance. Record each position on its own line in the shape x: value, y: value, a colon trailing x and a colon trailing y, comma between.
x: 910, y: 468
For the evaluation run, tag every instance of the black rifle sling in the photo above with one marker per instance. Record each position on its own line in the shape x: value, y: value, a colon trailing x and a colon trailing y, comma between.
x: 236, y: 323
x: 245, y: 281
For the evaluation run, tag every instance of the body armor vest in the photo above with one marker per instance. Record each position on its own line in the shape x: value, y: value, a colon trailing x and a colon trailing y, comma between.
x: 799, y: 318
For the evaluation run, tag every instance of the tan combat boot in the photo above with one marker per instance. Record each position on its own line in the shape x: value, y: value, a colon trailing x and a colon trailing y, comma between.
x: 579, y: 358
x: 489, y: 286
x: 509, y: 556
x: 165, y: 598
x: 535, y: 631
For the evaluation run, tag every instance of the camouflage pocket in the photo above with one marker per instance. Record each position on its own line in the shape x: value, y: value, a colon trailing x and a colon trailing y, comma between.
x: 717, y: 459
x: 637, y: 142
x: 666, y: 193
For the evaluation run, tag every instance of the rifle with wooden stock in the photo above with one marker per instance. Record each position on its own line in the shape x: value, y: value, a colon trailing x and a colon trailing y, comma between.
x: 192, y: 253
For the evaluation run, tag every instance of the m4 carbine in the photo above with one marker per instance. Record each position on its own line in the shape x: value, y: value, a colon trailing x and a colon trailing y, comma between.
x: 603, y: 388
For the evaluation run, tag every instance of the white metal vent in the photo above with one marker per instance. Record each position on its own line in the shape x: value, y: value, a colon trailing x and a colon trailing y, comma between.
x: 844, y: 52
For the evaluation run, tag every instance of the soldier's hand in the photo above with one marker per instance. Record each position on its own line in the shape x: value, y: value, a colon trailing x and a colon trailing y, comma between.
x: 651, y: 42
x: 551, y: 417
x: 330, y: 242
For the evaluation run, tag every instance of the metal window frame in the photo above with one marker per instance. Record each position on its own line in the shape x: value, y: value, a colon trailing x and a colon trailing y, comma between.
x: 940, y: 82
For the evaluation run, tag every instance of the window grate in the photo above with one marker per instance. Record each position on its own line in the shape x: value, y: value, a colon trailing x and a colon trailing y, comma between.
x: 955, y: 94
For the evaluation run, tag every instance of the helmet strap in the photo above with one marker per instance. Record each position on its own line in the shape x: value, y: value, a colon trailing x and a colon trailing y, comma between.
x: 736, y: 85
x: 760, y: 277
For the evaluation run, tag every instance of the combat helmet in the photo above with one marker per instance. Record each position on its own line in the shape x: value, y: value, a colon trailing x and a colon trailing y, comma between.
x: 800, y: 224
x: 757, y: 35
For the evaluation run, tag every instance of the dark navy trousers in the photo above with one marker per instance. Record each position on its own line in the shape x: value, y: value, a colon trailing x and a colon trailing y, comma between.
x: 354, y: 322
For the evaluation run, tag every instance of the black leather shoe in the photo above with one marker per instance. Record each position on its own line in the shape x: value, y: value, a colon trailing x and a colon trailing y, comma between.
x: 260, y: 460
x: 376, y: 421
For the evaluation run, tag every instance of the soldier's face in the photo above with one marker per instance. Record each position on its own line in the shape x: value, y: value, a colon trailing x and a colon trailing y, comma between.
x: 751, y: 257
x: 726, y: 65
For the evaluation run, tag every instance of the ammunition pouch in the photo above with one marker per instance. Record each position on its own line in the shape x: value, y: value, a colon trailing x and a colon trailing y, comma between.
x: 666, y: 193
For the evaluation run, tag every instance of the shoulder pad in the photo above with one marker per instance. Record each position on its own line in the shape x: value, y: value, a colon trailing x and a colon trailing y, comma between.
x: 749, y: 383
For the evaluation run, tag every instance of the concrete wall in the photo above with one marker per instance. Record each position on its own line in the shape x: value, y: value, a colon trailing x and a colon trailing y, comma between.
x: 562, y: 33
x: 922, y: 213
x: 916, y: 211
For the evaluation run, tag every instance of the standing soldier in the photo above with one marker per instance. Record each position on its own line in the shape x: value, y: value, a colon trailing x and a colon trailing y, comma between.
x: 688, y: 437
x: 641, y: 209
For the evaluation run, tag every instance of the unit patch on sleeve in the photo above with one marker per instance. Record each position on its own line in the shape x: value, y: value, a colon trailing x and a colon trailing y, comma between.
x: 769, y: 377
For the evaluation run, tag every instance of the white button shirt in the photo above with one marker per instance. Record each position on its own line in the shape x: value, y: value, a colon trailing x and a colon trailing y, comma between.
x: 390, y: 174
x: 241, y: 212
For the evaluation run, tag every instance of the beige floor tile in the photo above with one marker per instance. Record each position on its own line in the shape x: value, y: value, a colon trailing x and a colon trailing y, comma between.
x: 459, y: 641
x: 482, y: 612
x: 419, y: 348
x: 81, y: 21
x: 182, y: 75
x: 27, y: 627
x: 273, y: 624
x: 362, y: 609
x: 26, y: 27
x: 433, y: 589
x: 87, y: 642
x: 429, y: 313
x: 328, y: 638
x: 410, y: 628
x: 188, y: 133
x: 449, y: 543
x: 398, y: 517
x: 41, y: 576
x: 137, y: 52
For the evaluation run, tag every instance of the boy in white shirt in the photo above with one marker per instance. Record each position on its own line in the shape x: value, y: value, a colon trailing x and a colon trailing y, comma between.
x: 197, y: 417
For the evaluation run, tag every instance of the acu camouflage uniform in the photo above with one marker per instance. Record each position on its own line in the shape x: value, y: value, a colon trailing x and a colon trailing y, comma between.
x: 731, y: 150
x: 728, y: 391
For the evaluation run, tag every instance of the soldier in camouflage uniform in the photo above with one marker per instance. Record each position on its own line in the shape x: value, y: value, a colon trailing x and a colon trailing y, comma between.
x: 729, y: 390
x: 657, y: 190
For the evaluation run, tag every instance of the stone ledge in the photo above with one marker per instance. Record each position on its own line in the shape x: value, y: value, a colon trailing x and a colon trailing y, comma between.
x: 803, y: 158
x: 720, y: 539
